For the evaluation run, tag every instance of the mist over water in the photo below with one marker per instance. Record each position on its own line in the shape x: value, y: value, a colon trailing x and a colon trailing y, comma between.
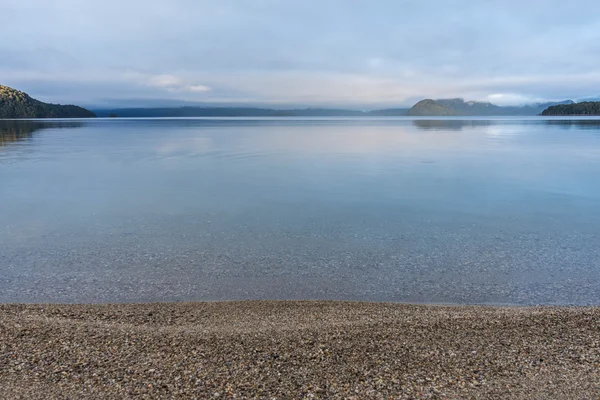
x: 501, y: 211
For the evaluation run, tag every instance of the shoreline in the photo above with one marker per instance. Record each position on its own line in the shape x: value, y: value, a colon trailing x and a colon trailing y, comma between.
x: 298, y: 349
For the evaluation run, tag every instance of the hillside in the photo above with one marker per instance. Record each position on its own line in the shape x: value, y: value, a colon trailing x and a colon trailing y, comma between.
x: 583, y: 108
x: 430, y: 107
x: 17, y: 104
x: 459, y: 107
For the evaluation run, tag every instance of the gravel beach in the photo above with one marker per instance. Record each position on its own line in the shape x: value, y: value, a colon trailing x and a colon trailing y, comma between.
x: 297, y: 349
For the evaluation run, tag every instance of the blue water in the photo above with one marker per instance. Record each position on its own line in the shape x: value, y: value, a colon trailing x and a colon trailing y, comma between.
x: 494, y: 211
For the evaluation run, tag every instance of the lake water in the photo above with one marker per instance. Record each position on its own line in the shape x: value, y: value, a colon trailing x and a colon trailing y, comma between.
x: 502, y: 211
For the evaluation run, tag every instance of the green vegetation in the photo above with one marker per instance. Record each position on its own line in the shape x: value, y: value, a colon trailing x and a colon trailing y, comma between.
x: 458, y: 107
x: 583, y: 108
x: 461, y: 107
x: 16, y: 104
x: 430, y: 107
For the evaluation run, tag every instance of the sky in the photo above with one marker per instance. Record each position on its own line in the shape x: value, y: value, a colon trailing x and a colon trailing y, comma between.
x: 284, y: 53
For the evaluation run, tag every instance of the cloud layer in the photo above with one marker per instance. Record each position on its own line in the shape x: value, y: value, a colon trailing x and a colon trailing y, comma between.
x: 296, y: 52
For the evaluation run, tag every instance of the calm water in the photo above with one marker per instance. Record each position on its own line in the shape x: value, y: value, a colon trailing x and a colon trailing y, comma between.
x: 447, y: 211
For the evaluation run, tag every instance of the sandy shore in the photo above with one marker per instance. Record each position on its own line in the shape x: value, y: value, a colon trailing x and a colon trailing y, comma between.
x: 280, y: 350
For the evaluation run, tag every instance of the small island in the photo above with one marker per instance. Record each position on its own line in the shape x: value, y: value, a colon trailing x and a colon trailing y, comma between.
x: 17, y: 104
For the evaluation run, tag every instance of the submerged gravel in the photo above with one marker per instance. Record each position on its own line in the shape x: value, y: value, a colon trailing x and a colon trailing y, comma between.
x: 297, y: 349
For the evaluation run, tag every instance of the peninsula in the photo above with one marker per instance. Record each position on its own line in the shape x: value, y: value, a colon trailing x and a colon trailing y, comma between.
x: 584, y: 108
x: 17, y: 104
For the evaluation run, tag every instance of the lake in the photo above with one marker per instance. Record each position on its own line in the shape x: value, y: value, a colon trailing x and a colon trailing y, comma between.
x: 485, y: 211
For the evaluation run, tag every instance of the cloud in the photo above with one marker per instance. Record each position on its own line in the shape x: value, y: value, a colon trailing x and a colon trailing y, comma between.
x: 164, y: 81
x: 174, y: 84
x: 512, y: 98
x: 385, y: 53
x: 196, y: 88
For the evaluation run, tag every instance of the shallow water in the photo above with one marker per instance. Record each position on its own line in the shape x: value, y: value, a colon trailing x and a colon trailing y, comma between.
x: 501, y: 211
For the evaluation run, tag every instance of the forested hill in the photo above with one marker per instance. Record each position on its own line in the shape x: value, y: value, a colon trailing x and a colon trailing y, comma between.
x: 459, y: 107
x: 16, y: 104
x: 429, y: 107
x: 583, y: 108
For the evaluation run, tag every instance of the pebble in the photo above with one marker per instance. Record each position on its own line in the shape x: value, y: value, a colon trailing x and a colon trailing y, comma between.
x: 297, y: 349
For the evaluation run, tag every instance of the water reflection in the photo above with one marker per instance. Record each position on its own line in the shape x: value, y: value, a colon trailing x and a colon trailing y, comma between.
x: 448, y: 124
x: 592, y: 124
x: 449, y: 210
x: 17, y: 130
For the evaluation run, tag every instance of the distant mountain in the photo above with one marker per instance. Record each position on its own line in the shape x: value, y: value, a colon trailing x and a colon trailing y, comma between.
x: 583, y: 108
x: 320, y: 112
x: 427, y: 107
x: 534, y: 109
x: 459, y: 107
x: 16, y: 104
x: 218, y: 112
x: 388, y: 112
x: 243, y: 112
x: 593, y: 98
x: 430, y: 107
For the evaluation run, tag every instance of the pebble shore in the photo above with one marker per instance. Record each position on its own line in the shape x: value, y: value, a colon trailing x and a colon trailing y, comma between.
x: 297, y: 350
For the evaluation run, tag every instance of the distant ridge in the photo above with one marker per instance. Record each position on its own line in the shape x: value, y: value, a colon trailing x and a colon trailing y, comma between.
x: 17, y: 104
x: 191, y: 111
x: 427, y: 107
x: 460, y: 107
x: 583, y: 108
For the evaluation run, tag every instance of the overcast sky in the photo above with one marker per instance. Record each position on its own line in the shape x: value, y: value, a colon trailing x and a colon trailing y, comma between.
x: 351, y: 53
